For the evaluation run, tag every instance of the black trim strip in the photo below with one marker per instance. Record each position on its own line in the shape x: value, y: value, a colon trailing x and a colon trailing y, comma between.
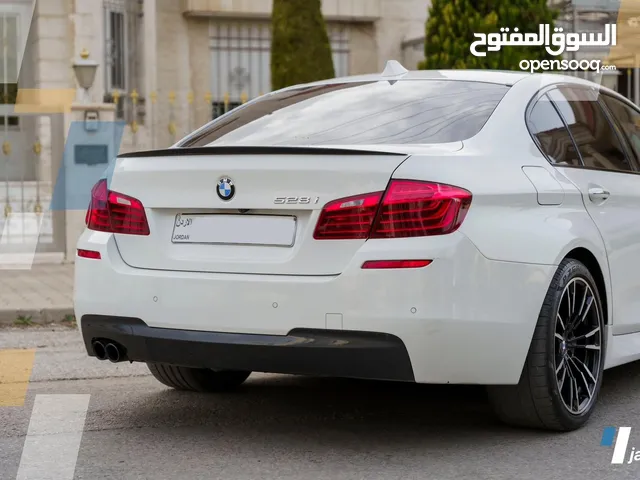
x: 566, y: 126
x: 596, y: 169
x: 254, y: 150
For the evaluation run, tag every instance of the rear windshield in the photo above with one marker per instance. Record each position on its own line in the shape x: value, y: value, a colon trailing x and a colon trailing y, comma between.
x: 365, y: 113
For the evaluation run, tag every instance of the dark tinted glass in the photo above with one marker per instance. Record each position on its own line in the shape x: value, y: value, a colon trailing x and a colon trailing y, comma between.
x: 546, y: 125
x: 400, y: 112
x: 592, y: 131
x: 628, y: 119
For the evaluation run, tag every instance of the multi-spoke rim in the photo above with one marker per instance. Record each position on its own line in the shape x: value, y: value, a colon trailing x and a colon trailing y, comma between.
x: 578, y: 345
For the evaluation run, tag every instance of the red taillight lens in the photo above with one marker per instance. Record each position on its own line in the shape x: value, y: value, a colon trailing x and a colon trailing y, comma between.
x: 115, y: 213
x: 417, y: 209
x: 348, y: 218
x: 385, y: 264
x: 92, y: 254
x: 408, y: 208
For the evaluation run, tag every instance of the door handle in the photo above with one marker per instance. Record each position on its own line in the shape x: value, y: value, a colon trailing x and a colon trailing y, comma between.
x: 598, y: 194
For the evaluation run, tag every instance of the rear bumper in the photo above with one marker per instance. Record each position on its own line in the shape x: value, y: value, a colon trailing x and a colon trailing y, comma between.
x: 303, y: 351
x: 463, y: 319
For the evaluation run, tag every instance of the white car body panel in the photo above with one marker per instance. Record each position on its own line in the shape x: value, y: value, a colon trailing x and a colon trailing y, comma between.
x: 618, y: 220
x: 468, y: 317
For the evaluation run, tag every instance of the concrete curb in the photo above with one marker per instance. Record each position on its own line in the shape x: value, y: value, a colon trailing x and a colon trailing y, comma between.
x: 26, y: 317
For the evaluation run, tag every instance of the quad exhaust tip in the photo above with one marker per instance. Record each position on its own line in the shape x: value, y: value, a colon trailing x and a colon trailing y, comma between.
x: 99, y: 350
x: 113, y: 352
x: 108, y: 350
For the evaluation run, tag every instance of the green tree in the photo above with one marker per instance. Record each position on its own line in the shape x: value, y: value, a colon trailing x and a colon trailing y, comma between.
x: 300, y: 49
x: 452, y: 23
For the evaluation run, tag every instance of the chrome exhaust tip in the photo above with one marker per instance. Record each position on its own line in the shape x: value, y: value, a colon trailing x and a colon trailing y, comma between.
x: 113, y: 352
x: 99, y: 350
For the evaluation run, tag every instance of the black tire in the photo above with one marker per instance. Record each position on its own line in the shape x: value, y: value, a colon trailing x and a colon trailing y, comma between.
x: 196, y: 379
x: 537, y: 401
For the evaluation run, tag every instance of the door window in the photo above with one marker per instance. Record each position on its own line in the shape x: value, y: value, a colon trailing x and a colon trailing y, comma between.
x: 546, y: 126
x: 597, y: 141
x: 628, y: 119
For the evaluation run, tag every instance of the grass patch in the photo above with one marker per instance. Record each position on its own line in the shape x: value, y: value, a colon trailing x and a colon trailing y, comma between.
x: 69, y: 320
x: 23, y: 321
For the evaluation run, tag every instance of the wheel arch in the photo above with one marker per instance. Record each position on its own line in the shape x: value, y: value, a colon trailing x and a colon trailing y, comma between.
x: 586, y: 257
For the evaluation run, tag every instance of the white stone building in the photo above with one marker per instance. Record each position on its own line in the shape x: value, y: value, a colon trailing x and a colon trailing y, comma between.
x: 169, y: 66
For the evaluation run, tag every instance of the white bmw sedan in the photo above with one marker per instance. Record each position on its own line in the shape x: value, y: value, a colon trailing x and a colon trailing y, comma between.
x: 462, y: 227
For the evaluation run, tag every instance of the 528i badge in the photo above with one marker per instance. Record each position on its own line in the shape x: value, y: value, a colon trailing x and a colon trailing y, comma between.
x: 296, y: 200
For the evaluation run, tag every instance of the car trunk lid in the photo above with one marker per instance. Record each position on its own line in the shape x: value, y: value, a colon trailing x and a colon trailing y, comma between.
x: 267, y: 226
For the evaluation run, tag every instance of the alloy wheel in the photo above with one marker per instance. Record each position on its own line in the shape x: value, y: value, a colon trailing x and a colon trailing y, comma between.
x: 578, y: 345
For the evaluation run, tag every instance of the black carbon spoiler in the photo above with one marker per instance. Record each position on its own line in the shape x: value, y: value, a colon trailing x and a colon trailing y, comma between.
x: 253, y: 150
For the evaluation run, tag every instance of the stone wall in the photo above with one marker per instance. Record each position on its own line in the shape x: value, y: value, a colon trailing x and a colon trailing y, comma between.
x: 400, y: 20
x: 52, y: 50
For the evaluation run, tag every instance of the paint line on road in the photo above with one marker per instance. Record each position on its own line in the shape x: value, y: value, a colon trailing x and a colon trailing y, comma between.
x: 15, y: 371
x: 53, y: 440
x: 620, y: 449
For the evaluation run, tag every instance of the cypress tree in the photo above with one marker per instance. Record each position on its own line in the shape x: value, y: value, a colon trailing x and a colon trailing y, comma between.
x: 300, y: 48
x: 452, y: 23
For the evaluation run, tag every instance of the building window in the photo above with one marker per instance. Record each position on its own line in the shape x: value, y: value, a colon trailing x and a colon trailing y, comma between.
x: 241, y: 60
x: 9, y: 24
x: 339, y: 38
x: 123, y: 55
x: 625, y: 82
x: 117, y: 50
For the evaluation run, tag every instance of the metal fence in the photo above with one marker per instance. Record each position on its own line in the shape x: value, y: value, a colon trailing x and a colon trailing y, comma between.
x: 170, y: 115
x: 28, y: 172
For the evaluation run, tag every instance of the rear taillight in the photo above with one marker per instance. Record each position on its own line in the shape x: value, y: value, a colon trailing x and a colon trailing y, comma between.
x: 115, y: 213
x: 408, y: 208
x: 348, y: 218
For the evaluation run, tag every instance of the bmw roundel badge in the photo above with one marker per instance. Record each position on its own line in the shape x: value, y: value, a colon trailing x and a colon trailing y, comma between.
x: 226, y: 188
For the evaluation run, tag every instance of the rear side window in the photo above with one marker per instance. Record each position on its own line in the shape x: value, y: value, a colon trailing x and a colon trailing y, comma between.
x: 365, y: 113
x: 555, y: 141
x: 592, y: 131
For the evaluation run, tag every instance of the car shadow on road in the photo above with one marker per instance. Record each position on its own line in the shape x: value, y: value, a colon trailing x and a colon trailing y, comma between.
x: 621, y: 384
x: 269, y: 405
x: 272, y: 404
x: 338, y: 420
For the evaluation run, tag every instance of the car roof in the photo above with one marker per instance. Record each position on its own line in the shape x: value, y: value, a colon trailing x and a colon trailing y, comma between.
x: 500, y: 77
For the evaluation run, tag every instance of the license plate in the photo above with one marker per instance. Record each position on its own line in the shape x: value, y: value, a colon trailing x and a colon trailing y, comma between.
x: 267, y: 230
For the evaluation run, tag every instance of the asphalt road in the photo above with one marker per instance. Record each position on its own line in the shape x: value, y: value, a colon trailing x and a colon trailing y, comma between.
x: 283, y: 427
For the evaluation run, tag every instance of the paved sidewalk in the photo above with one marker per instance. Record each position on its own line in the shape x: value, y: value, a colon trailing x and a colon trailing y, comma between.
x: 43, y: 294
